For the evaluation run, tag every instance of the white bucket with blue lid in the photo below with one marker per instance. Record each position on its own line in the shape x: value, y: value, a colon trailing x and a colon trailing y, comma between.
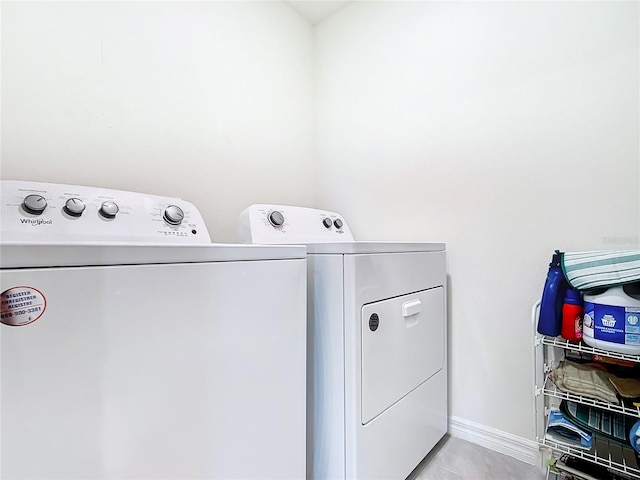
x: 612, y: 319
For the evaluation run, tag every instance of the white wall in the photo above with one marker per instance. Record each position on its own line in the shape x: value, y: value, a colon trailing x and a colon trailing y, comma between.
x: 208, y: 101
x: 505, y: 129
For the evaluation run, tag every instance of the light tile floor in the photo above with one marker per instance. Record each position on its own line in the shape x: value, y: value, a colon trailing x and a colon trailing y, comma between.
x: 455, y: 459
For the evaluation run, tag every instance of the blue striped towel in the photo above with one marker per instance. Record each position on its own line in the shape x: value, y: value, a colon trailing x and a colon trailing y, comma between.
x: 603, y: 268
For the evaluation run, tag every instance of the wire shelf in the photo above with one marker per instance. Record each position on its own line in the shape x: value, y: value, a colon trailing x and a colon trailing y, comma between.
x: 581, y: 347
x: 550, y: 389
x: 609, y: 454
x: 614, y: 456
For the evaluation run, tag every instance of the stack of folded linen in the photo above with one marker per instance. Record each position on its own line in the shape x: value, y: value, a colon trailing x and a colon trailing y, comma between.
x: 584, y: 380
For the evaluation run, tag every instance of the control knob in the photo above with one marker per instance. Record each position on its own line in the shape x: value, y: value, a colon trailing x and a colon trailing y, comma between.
x: 34, y: 204
x: 74, y: 207
x: 173, y: 215
x: 276, y: 218
x: 338, y: 223
x: 109, y: 209
x: 327, y: 222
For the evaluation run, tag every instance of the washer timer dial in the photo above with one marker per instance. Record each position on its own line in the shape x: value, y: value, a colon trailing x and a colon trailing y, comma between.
x: 34, y: 204
x: 173, y: 215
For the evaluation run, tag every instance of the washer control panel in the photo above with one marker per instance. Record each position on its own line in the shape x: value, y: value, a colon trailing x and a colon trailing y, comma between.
x: 282, y: 224
x: 50, y: 212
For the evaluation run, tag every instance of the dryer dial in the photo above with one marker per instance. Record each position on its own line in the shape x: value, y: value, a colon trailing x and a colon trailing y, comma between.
x: 327, y: 222
x: 34, y: 204
x: 276, y: 219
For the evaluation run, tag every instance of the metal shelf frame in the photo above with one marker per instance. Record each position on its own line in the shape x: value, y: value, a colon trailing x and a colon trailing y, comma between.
x: 550, y: 389
x: 600, y: 456
x: 580, y: 347
x: 601, y: 453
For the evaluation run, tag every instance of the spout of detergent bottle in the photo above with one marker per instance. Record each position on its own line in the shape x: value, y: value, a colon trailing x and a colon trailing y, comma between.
x: 555, y: 287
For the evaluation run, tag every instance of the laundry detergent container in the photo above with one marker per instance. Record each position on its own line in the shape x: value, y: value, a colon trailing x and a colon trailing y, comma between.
x: 612, y: 319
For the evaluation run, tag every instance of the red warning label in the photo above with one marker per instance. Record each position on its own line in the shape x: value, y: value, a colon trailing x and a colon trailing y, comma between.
x: 21, y: 306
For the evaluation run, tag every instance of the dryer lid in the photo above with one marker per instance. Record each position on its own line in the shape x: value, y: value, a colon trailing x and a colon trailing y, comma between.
x: 373, y: 247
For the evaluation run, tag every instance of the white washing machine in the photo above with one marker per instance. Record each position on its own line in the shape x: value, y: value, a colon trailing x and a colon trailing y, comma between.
x: 133, y: 348
x: 377, y: 365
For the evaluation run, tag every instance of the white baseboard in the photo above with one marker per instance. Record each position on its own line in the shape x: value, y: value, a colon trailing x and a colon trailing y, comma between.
x: 512, y: 445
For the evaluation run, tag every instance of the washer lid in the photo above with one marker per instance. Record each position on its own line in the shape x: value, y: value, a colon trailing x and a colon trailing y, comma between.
x: 374, y: 247
x: 22, y: 255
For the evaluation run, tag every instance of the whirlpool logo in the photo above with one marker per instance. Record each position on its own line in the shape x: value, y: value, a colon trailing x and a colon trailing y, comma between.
x: 35, y: 223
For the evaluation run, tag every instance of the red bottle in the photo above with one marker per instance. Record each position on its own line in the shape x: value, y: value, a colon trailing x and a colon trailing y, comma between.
x: 572, y: 311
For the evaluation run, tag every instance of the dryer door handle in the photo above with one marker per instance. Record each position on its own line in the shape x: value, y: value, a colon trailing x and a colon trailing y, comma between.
x: 411, y: 308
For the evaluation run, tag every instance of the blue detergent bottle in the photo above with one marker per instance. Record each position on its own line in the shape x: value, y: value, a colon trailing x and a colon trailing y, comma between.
x: 555, y: 287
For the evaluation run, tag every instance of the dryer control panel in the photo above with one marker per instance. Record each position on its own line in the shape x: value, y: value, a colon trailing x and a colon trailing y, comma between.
x: 284, y: 224
x: 49, y: 212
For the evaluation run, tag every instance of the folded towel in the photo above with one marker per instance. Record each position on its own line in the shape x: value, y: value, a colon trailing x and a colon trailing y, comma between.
x: 626, y: 387
x: 584, y: 380
x: 562, y: 430
x: 604, y: 268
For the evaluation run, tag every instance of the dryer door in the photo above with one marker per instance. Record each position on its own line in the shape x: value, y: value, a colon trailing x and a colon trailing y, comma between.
x: 402, y: 346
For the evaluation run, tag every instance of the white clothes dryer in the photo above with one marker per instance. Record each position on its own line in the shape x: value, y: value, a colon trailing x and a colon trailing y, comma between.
x: 133, y: 348
x: 377, y: 364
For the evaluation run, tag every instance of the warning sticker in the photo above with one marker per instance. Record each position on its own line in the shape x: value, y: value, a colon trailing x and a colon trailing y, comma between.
x: 21, y: 306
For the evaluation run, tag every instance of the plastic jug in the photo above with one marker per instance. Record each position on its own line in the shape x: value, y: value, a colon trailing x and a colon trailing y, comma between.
x: 555, y: 286
x: 572, y: 315
x: 612, y: 319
